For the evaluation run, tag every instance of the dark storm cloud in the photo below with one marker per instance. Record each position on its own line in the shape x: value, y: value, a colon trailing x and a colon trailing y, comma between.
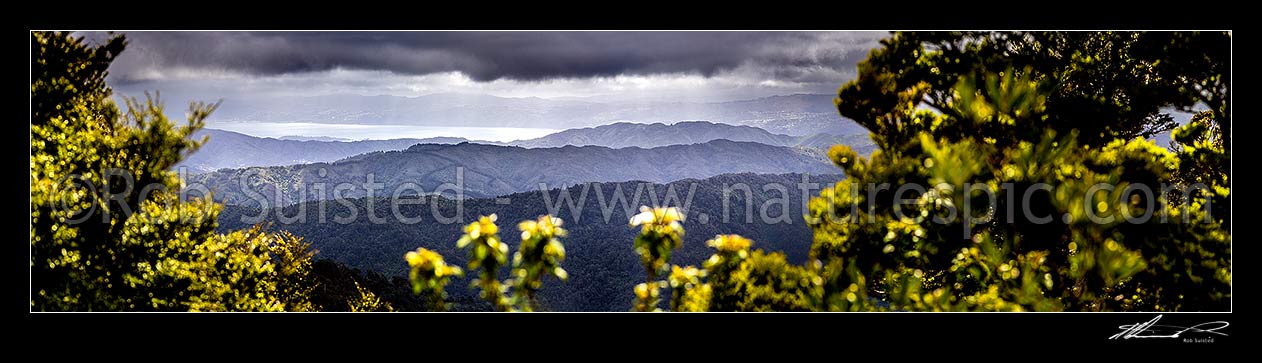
x: 484, y: 56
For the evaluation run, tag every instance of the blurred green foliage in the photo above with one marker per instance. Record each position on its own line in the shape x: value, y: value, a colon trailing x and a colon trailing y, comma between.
x: 486, y: 255
x: 430, y: 275
x: 108, y: 228
x: 367, y: 301
x: 734, y: 278
x: 539, y: 255
x: 972, y: 115
x: 660, y: 234
x: 688, y: 293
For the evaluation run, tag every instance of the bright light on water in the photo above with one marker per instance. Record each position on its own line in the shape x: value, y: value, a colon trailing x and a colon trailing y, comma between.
x: 379, y: 132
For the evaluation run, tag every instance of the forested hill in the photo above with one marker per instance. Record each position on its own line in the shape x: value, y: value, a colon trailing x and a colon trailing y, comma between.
x: 602, y: 266
x: 490, y: 170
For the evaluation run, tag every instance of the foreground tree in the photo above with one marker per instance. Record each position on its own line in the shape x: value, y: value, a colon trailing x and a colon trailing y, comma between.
x: 539, y: 256
x: 1016, y: 176
x: 487, y: 253
x: 109, y: 230
x: 367, y: 302
x: 430, y: 275
x: 661, y: 233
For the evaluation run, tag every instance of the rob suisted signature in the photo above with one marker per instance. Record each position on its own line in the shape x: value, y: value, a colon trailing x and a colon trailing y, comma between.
x: 1151, y: 329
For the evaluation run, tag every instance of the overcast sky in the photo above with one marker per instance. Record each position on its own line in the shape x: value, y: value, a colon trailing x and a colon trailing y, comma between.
x: 677, y: 65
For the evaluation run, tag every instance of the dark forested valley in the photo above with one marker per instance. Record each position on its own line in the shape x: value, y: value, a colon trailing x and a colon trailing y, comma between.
x: 602, y: 266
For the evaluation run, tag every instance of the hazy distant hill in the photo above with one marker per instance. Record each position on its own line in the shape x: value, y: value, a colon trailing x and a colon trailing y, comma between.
x: 602, y: 266
x: 227, y: 149
x: 490, y: 170
x: 312, y: 138
x: 234, y: 150
x: 625, y: 134
x: 797, y: 115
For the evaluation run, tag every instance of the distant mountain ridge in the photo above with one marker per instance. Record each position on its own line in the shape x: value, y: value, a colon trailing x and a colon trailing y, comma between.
x: 490, y: 170
x: 313, y: 138
x: 228, y: 149
x: 797, y: 115
x: 626, y: 134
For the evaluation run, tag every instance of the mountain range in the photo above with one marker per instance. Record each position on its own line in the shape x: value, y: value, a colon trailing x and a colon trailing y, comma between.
x: 797, y: 115
x: 226, y: 149
x: 490, y: 170
x: 625, y: 134
x: 312, y: 138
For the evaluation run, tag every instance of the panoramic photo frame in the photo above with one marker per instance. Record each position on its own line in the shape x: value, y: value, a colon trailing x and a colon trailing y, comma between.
x: 636, y: 171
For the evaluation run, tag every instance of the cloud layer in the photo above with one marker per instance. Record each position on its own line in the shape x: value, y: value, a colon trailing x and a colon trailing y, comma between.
x: 512, y: 64
x: 487, y: 56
